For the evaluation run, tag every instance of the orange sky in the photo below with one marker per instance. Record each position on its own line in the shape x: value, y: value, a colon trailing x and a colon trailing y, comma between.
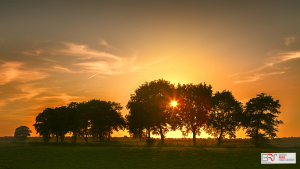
x: 52, y: 53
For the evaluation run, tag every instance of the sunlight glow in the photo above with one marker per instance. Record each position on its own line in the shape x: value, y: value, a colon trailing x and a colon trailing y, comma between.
x: 173, y: 103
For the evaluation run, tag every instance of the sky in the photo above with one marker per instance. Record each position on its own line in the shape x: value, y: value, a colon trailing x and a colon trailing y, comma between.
x: 55, y: 52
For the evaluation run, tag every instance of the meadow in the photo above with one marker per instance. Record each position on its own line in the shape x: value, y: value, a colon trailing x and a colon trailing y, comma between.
x: 133, y: 153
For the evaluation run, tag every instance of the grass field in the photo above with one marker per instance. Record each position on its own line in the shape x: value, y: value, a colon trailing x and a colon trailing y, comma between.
x: 130, y: 153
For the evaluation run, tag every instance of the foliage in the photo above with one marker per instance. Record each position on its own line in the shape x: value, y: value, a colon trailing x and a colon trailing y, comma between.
x: 44, y: 124
x: 260, y: 118
x: 134, y: 119
x: 150, y: 112
x: 61, y: 122
x: 149, y: 108
x: 225, y: 118
x: 105, y: 117
x: 98, y: 118
x: 22, y: 132
x: 195, y: 106
x: 79, y: 120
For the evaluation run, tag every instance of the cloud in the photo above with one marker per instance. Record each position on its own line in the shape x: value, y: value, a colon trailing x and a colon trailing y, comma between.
x: 124, y: 66
x: 31, y: 98
x: 83, y: 52
x: 103, y: 63
x: 28, y: 91
x: 16, y: 71
x: 282, y: 57
x: 59, y: 68
x: 109, y: 67
x: 9, y: 71
x: 270, y: 65
x: 86, y: 60
x: 64, y: 97
x: 104, y: 43
x: 289, y: 40
x: 290, y: 55
x: 257, y: 77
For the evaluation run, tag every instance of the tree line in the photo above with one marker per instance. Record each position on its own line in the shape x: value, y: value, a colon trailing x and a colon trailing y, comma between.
x: 95, y: 118
x: 197, y: 110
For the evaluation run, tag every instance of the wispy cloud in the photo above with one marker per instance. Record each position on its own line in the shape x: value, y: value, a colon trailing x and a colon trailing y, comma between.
x: 16, y: 71
x: 270, y: 64
x: 61, y: 97
x: 84, y: 52
x: 282, y: 57
x: 104, y: 43
x: 83, y: 59
x: 289, y: 40
x: 103, y: 63
x: 64, y: 69
x: 257, y: 77
x: 28, y: 91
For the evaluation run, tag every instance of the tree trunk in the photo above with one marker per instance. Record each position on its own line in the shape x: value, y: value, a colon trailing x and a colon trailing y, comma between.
x: 85, y: 138
x: 161, y: 135
x: 109, y: 134
x: 256, y: 139
x: 62, y: 137
x: 148, y: 134
x: 221, y: 134
x: 56, y: 137
x: 101, y: 136
x: 194, y: 137
x: 141, y: 135
x: 74, y: 135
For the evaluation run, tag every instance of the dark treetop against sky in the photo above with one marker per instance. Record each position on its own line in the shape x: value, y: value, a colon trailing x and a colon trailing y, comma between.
x: 55, y: 52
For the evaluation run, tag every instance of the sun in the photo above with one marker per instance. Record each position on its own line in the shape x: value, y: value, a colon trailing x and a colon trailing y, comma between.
x: 173, y: 103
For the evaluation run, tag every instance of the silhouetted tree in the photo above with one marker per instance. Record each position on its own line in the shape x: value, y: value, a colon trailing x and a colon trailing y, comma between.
x: 195, y: 109
x: 53, y: 122
x: 259, y: 118
x: 135, y: 124
x: 105, y: 117
x: 149, y: 108
x: 225, y: 118
x: 61, y: 124
x: 44, y: 124
x: 84, y: 120
x: 74, y: 119
x: 79, y: 120
x: 22, y: 132
x: 114, y: 119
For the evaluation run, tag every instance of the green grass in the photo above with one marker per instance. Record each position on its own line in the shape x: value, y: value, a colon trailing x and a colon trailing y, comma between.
x: 126, y: 153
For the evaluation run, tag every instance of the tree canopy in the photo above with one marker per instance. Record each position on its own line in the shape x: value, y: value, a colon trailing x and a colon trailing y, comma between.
x: 149, y: 108
x: 195, y: 107
x: 157, y: 107
x: 22, y: 132
x: 105, y: 117
x: 96, y: 117
x: 260, y: 118
x: 44, y: 124
x: 225, y: 118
